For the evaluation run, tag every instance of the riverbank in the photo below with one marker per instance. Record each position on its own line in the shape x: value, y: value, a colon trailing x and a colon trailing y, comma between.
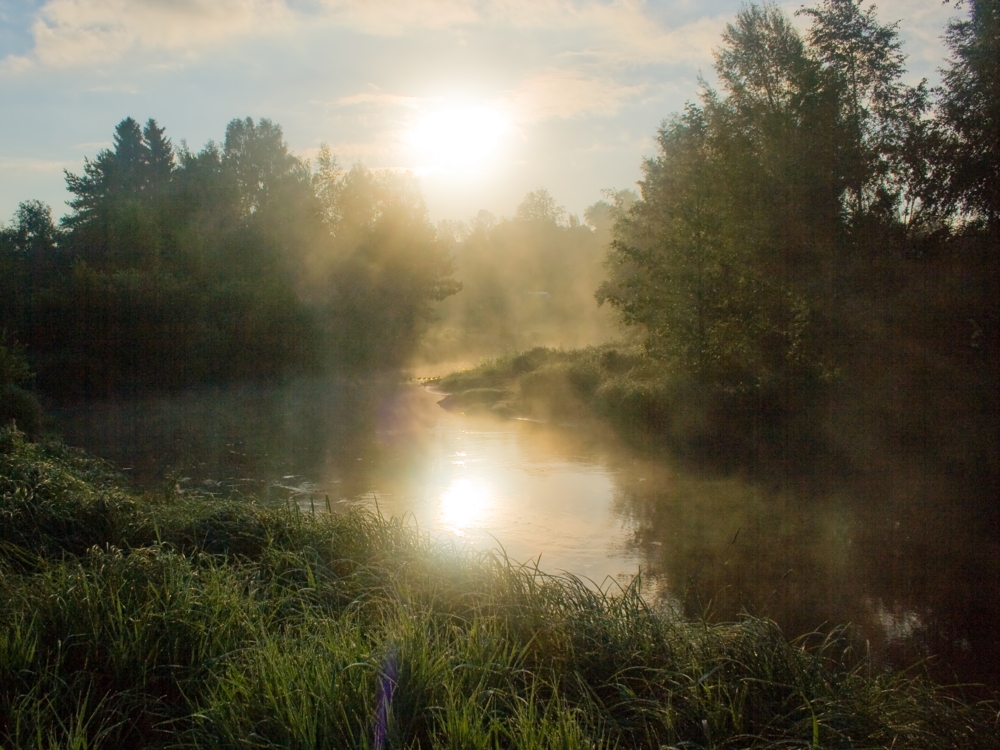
x: 175, y: 619
x: 649, y: 406
x: 876, y: 413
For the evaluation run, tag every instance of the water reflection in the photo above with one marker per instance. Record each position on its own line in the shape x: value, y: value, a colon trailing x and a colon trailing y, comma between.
x: 909, y: 556
x: 466, y: 503
x: 530, y: 489
x: 908, y: 561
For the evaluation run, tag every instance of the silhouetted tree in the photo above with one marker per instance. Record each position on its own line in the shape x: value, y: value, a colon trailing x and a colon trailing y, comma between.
x: 257, y: 158
x: 160, y: 154
x: 968, y: 174
x: 722, y: 260
x: 878, y: 117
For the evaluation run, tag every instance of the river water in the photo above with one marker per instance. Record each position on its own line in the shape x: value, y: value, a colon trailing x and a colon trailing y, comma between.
x: 909, y: 559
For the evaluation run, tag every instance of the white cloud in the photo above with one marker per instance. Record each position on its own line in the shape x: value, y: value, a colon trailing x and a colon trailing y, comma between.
x: 23, y: 165
x: 92, y: 147
x: 87, y: 32
x: 396, y: 17
x: 566, y: 94
x: 921, y: 25
x: 379, y: 99
x: 622, y: 31
x: 383, y: 148
x: 14, y: 64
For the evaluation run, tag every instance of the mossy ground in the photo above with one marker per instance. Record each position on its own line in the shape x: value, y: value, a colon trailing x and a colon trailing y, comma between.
x: 172, y: 620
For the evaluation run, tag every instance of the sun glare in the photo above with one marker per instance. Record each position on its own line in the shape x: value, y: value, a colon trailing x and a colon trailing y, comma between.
x: 463, y: 504
x: 458, y: 140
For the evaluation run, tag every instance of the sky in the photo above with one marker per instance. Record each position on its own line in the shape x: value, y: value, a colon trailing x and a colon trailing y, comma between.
x: 484, y: 100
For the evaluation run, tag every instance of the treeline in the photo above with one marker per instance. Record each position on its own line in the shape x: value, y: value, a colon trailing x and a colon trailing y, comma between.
x: 238, y: 261
x: 816, y: 203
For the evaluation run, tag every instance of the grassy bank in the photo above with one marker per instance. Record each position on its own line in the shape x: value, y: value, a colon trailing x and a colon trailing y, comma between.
x: 625, y: 387
x: 885, y: 406
x: 173, y: 620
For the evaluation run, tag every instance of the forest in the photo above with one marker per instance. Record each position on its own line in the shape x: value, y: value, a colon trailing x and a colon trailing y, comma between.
x: 234, y: 262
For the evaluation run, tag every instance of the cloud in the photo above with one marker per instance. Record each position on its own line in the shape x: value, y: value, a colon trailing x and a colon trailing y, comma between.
x: 89, y: 32
x: 627, y: 32
x: 921, y: 26
x: 565, y: 94
x: 22, y: 165
x: 623, y: 31
x: 379, y: 99
x: 86, y: 32
x: 14, y: 64
x: 383, y: 148
x: 92, y: 147
x: 397, y: 17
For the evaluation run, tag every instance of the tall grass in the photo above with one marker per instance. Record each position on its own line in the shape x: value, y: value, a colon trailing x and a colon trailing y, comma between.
x: 183, y: 621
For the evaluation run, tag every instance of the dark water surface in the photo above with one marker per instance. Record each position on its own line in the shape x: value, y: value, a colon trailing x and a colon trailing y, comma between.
x: 910, y: 559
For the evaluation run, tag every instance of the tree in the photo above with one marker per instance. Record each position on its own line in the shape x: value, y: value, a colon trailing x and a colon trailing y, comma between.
x: 538, y: 205
x: 259, y: 163
x: 667, y: 264
x: 878, y: 117
x: 737, y: 213
x: 380, y: 266
x: 969, y: 108
x: 139, y: 166
x: 327, y: 183
x: 159, y: 154
x: 32, y: 232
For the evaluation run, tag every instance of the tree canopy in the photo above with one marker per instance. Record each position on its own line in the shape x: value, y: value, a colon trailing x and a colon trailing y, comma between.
x: 239, y: 260
x: 763, y: 195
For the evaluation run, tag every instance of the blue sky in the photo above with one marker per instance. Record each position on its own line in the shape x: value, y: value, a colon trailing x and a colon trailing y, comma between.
x: 561, y: 94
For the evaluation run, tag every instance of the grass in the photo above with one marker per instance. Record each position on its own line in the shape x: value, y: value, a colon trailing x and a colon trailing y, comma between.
x: 646, y: 402
x: 174, y: 620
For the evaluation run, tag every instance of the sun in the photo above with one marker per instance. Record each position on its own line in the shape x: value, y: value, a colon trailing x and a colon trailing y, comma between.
x: 461, y: 139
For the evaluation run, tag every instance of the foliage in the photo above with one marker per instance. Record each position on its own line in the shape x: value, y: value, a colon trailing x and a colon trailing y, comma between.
x: 878, y: 117
x: 624, y: 387
x: 814, y: 153
x: 183, y: 621
x: 968, y: 159
x: 382, y: 267
x: 17, y: 404
x: 232, y: 262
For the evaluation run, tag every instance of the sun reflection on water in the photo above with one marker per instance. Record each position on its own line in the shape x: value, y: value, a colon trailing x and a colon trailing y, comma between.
x: 464, y: 504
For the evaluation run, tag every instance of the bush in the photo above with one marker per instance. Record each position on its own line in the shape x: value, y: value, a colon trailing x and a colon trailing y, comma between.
x: 21, y: 408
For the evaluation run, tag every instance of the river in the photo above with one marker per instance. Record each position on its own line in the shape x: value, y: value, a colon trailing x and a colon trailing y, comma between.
x: 909, y: 559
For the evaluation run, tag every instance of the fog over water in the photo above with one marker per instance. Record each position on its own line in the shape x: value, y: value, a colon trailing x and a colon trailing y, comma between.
x: 903, y: 557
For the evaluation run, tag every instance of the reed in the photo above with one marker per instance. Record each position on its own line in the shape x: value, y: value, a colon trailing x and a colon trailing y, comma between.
x: 173, y: 620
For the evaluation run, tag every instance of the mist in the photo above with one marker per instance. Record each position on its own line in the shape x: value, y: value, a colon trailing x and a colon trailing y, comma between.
x: 527, y: 280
